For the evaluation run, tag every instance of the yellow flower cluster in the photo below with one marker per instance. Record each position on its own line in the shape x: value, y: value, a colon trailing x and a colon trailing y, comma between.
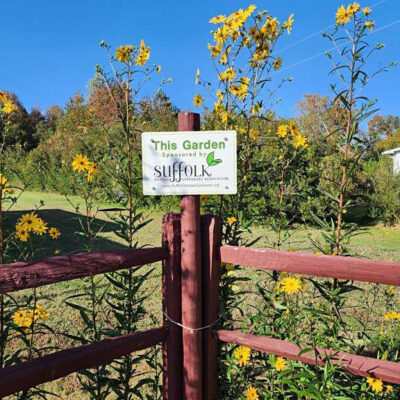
x: 261, y: 34
x: 242, y: 355
x: 30, y: 223
x: 25, y: 318
x: 123, y: 53
x: 230, y: 27
x: 7, y: 104
x: 229, y: 74
x: 345, y: 14
x: 299, y: 140
x: 4, y: 185
x: 393, y: 315
x: 375, y: 384
x: 240, y: 90
x: 82, y: 163
x: 144, y: 54
x: 289, y: 285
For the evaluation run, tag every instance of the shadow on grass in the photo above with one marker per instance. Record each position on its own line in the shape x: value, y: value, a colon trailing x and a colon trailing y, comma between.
x: 69, y: 241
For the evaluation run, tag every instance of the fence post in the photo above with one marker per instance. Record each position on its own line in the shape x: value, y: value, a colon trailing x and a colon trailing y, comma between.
x: 191, y: 281
x: 211, y: 236
x: 171, y: 298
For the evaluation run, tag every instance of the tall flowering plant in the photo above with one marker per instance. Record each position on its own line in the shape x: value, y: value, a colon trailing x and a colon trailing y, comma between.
x: 123, y: 81
x: 243, y: 56
x: 23, y: 319
x: 350, y: 61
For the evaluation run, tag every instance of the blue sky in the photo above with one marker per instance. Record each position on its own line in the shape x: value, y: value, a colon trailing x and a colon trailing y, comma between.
x: 49, y: 47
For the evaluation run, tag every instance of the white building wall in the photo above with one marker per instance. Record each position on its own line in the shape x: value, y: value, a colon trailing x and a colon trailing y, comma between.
x: 396, y: 163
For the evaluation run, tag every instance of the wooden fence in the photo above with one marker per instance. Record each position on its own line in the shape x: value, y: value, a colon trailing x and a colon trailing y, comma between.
x: 191, y: 256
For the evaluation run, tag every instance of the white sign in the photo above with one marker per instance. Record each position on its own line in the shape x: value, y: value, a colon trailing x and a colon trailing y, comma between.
x: 201, y: 162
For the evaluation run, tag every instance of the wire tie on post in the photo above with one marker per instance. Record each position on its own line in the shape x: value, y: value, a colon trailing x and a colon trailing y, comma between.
x: 187, y: 327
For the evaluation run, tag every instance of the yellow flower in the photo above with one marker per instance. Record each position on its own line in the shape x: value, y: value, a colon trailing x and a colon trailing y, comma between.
x: 8, y: 104
x: 22, y: 234
x: 203, y: 198
x: 158, y: 70
x: 123, y: 53
x: 144, y: 54
x: 224, y: 117
x: 215, y: 50
x: 370, y: 25
x: 282, y: 130
x: 19, y: 317
x: 220, y: 95
x: 375, y: 384
x: 288, y: 24
x: 41, y: 227
x: 80, y: 163
x: 198, y: 100
x: 289, y: 285
x: 54, y: 233
x: 242, y: 355
x: 293, y: 127
x: 342, y: 15
x: 255, y: 109
x: 229, y: 74
x: 4, y: 185
x: 239, y: 91
x: 9, y: 107
x: 366, y: 11
x: 299, y: 141
x: 253, y: 134
x: 280, y: 363
x: 196, y: 77
x: 391, y: 315
x: 392, y: 289
x: 218, y: 107
x: 229, y: 267
x: 92, y: 170
x: 28, y: 222
x: 249, y: 10
x: 231, y: 220
x: 389, y: 389
x: 277, y: 63
x: 353, y: 8
x: 217, y: 20
x: 251, y: 394
x: 41, y: 312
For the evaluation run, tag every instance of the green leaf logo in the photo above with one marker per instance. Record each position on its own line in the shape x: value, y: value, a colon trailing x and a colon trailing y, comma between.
x: 211, y: 161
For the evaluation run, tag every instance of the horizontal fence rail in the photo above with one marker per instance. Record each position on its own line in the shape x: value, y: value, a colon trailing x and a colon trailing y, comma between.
x: 57, y: 365
x: 387, y: 371
x: 355, y: 269
x: 23, y: 275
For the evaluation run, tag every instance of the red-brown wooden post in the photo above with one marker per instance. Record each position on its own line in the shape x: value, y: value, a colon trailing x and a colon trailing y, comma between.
x: 171, y: 290
x: 211, y: 236
x: 191, y: 281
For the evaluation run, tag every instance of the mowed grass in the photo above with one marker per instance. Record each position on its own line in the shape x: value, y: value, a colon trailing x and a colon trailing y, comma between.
x: 376, y: 242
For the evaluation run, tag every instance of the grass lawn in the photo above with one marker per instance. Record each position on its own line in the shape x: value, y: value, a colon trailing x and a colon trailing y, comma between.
x: 376, y: 242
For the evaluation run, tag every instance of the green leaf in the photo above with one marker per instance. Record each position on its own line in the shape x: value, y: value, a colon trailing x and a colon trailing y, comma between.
x: 210, y: 158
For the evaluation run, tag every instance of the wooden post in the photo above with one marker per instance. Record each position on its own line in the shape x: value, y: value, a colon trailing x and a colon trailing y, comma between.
x: 171, y: 290
x: 211, y: 236
x: 191, y: 281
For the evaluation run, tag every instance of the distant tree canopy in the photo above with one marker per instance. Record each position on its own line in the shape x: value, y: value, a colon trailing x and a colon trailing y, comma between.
x: 44, y: 143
